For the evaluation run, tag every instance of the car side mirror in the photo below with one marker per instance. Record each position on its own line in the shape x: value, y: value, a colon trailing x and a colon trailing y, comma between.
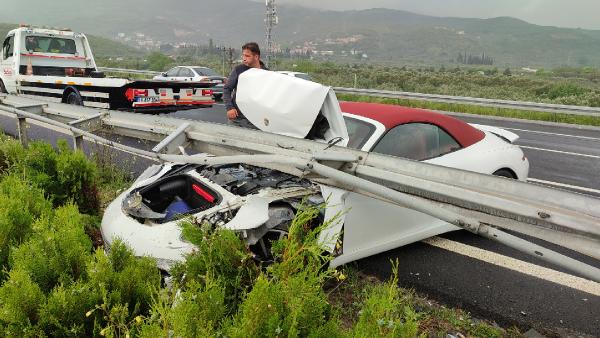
x: 164, y: 74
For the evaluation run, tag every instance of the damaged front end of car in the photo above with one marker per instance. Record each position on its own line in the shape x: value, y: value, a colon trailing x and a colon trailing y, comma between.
x: 257, y: 203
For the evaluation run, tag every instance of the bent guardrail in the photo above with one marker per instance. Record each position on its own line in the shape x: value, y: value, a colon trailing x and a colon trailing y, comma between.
x: 476, y: 202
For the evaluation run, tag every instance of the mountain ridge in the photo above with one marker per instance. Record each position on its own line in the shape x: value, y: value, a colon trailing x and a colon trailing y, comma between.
x: 384, y: 35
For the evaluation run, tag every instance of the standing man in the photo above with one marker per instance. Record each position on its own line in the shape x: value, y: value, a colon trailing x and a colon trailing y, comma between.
x: 250, y: 59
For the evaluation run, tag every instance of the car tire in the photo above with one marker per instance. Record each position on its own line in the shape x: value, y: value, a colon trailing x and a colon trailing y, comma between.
x: 2, y: 88
x: 504, y: 173
x: 218, y: 97
x: 74, y: 98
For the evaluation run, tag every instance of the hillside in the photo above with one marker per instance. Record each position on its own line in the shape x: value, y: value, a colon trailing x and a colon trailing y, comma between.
x: 389, y: 36
x: 102, y: 47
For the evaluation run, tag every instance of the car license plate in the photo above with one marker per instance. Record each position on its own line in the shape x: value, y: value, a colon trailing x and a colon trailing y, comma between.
x: 147, y: 99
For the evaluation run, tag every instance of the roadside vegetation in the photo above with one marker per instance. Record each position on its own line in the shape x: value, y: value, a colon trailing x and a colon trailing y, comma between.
x: 57, y: 281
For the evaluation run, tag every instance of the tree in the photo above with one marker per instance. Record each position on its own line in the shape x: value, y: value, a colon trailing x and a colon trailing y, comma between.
x: 158, y: 61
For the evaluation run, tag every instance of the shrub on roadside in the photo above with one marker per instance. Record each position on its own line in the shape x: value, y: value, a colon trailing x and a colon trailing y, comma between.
x: 64, y: 313
x: 20, y: 205
x: 20, y: 300
x: 221, y: 256
x: 288, y: 299
x: 63, y: 174
x: 11, y: 151
x: 57, y: 252
x: 385, y: 312
x: 77, y: 178
x: 199, y: 310
x: 127, y: 284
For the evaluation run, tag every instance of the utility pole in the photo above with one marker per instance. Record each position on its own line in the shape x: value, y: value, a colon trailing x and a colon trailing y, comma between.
x: 271, y: 20
x: 230, y: 54
x: 223, y: 49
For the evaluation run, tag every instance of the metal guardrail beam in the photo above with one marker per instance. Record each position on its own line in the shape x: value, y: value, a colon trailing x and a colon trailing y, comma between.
x: 497, y: 103
x: 475, y: 200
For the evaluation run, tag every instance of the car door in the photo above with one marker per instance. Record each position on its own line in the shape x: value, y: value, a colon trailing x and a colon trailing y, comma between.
x: 8, y: 63
x: 172, y: 74
x: 185, y: 74
x: 373, y: 226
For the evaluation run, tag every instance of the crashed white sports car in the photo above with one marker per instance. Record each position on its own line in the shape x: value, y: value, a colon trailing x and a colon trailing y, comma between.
x: 260, y: 203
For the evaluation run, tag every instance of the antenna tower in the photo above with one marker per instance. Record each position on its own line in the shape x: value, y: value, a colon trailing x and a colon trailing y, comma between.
x: 271, y: 20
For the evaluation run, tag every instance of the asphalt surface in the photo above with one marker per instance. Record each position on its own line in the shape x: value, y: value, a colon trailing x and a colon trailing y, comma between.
x: 566, y: 157
x: 558, y: 155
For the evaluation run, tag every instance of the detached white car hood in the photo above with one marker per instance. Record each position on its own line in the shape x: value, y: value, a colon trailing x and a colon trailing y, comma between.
x: 289, y: 106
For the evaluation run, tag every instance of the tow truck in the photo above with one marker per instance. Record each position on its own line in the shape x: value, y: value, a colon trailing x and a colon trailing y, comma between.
x: 58, y: 65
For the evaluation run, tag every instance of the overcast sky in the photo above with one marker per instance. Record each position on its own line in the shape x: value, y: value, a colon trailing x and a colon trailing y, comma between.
x: 561, y: 13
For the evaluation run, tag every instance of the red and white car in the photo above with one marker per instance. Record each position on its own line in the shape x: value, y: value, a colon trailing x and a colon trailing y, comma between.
x: 435, y: 138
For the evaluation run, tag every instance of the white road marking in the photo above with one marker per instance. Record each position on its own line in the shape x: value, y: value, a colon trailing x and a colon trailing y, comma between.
x: 563, y: 185
x: 561, y: 152
x: 555, y: 134
x: 510, y: 263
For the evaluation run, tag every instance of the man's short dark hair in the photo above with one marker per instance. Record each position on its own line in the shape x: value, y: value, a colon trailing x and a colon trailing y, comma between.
x: 253, y: 47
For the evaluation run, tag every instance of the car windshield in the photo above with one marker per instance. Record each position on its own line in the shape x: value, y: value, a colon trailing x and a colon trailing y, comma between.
x: 202, y: 71
x: 48, y: 44
x: 358, y: 132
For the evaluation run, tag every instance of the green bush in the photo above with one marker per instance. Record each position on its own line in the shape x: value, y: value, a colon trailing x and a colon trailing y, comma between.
x: 63, y: 174
x: 289, y: 300
x: 296, y: 307
x: 20, y: 205
x: 58, y: 250
x: 39, y: 167
x: 199, y: 310
x: 222, y: 256
x: 386, y: 312
x: 11, y: 151
x: 64, y: 313
x: 565, y: 89
x: 77, y: 178
x: 20, y: 300
x: 124, y: 280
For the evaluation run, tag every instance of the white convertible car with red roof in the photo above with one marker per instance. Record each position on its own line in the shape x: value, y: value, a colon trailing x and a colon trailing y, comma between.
x: 259, y: 203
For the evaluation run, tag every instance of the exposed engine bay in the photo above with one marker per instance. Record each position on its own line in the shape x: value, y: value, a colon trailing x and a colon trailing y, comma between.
x: 259, y: 203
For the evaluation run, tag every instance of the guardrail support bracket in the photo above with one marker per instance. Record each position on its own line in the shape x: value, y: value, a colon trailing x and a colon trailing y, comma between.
x: 172, y: 143
x: 22, y: 130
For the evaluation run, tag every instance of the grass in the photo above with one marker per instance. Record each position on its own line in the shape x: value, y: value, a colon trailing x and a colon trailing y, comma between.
x: 479, y: 110
x: 432, y: 319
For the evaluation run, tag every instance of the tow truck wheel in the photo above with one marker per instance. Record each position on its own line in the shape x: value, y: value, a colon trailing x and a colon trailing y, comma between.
x: 74, y: 98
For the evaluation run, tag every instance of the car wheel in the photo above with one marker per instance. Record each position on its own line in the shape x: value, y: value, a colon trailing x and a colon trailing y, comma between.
x: 504, y: 173
x: 2, y: 88
x: 74, y: 98
x: 218, y: 97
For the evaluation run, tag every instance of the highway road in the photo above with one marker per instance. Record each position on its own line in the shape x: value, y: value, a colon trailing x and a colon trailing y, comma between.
x: 515, y: 289
x: 466, y: 271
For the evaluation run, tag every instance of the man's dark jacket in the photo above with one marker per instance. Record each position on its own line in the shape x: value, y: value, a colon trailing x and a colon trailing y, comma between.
x: 230, y: 88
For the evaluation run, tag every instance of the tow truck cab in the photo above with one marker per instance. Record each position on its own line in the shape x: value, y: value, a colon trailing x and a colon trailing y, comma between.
x: 58, y: 65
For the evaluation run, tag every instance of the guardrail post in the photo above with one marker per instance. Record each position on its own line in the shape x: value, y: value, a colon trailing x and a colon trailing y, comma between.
x: 77, y: 141
x: 22, y: 130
